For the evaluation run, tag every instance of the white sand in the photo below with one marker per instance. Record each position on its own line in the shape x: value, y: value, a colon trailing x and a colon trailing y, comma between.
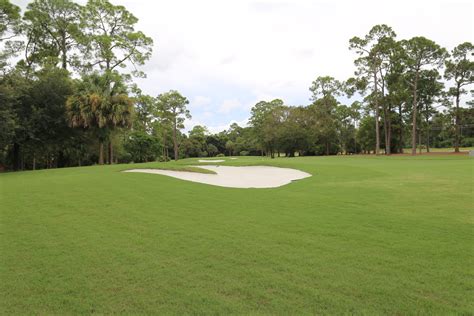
x: 233, y: 158
x: 236, y: 177
x: 211, y: 160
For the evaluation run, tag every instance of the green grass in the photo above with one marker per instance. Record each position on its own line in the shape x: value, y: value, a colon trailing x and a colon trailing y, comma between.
x: 169, y: 166
x: 364, y: 235
x: 439, y: 150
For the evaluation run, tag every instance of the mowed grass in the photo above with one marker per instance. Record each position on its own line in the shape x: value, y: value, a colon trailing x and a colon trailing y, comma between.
x: 439, y: 150
x: 363, y: 235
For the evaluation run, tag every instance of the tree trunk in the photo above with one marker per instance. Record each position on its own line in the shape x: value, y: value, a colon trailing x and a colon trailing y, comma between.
x: 165, y: 151
x: 111, y: 153
x: 101, y: 153
x: 16, y: 156
x: 400, y: 132
x: 419, y: 141
x: 376, y: 105
x: 327, y: 148
x: 386, y: 120
x: 175, y: 143
x: 456, y: 121
x: 415, y: 111
x: 64, y: 50
x: 34, y: 161
x: 386, y: 127
x: 427, y: 135
x: 389, y: 136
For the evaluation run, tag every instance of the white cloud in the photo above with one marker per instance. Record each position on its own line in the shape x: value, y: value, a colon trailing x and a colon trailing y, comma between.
x: 200, y: 103
x: 220, y: 128
x: 229, y: 105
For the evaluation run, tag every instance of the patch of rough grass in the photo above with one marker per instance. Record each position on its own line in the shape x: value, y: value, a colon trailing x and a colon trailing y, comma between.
x: 173, y: 168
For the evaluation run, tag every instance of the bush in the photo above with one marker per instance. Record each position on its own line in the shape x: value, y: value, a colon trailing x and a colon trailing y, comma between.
x: 220, y: 155
x: 445, y: 144
x: 467, y: 142
x: 244, y: 153
x: 163, y: 159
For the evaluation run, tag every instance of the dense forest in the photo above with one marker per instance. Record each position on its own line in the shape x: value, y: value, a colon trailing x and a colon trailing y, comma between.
x: 68, y: 97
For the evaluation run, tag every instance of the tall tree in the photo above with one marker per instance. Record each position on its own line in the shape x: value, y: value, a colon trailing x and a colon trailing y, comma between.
x: 10, y: 20
x: 10, y: 27
x: 430, y: 91
x: 323, y: 109
x: 88, y: 108
x: 53, y: 29
x: 420, y: 53
x: 111, y: 42
x: 264, y: 120
x: 111, y: 39
x: 172, y: 107
x: 460, y: 69
x: 371, y: 50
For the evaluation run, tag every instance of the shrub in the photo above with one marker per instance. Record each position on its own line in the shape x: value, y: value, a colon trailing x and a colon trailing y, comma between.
x: 467, y: 142
x: 244, y: 153
x: 220, y: 155
x: 163, y: 159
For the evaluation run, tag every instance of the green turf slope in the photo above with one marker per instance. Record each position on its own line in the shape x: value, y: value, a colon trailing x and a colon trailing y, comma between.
x: 364, y: 235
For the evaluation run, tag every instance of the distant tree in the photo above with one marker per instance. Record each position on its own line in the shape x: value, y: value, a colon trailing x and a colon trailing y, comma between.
x: 9, y: 20
x: 265, y: 121
x: 89, y: 108
x: 10, y: 27
x: 212, y: 150
x: 430, y: 91
x: 295, y: 133
x: 53, y: 30
x: 371, y: 50
x: 112, y: 43
x: 172, y: 107
x: 460, y: 69
x: 366, y: 134
x: 229, y: 146
x: 111, y: 39
x: 419, y: 53
x: 323, y: 110
x: 145, y: 111
x: 347, y: 129
x: 196, y: 142
x: 142, y: 147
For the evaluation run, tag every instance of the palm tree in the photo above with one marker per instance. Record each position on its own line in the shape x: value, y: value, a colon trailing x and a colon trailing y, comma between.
x: 89, y: 108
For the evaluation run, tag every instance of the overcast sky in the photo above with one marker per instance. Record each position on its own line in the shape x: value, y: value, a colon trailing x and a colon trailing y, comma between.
x: 225, y: 56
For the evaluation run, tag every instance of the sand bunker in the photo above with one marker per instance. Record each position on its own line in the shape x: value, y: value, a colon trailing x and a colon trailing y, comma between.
x: 211, y: 160
x: 236, y: 177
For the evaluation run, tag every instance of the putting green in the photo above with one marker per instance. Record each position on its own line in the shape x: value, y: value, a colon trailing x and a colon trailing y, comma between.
x: 364, y: 235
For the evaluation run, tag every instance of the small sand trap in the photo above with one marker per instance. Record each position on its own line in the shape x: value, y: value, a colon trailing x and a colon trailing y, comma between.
x: 236, y: 177
x: 211, y: 160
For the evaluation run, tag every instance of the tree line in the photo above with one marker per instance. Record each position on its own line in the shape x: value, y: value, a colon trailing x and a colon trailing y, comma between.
x: 67, y: 97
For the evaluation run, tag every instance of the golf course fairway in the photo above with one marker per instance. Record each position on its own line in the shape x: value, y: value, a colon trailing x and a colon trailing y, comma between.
x: 362, y: 235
